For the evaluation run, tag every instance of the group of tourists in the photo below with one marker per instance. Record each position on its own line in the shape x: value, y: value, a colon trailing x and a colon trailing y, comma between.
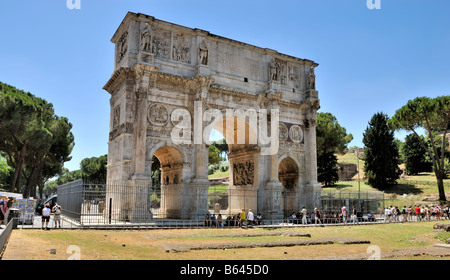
x: 416, y: 213
x: 238, y: 220
x: 46, y: 212
x: 337, y: 216
x: 4, y: 205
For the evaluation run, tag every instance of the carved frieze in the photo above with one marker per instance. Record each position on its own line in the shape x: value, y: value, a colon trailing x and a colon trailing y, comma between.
x: 244, y: 173
x: 121, y: 129
x: 161, y: 43
x: 294, y: 76
x: 122, y: 46
x: 276, y: 200
x: 289, y: 132
x: 283, y: 132
x: 158, y: 114
x: 159, y: 131
x: 116, y: 118
x: 277, y: 71
x: 296, y: 134
x: 180, y: 49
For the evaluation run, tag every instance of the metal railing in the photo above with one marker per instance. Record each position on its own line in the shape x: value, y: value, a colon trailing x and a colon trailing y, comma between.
x: 4, y: 237
x: 122, y: 205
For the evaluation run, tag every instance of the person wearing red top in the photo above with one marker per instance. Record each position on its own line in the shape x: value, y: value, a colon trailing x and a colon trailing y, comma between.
x: 418, y: 212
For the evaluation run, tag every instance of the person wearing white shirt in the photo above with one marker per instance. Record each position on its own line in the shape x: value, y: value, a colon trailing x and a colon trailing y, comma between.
x: 250, y: 217
x: 304, y: 216
x: 46, y: 216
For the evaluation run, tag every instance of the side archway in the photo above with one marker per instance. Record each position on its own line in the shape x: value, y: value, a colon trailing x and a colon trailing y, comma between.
x: 167, y: 202
x: 289, y: 176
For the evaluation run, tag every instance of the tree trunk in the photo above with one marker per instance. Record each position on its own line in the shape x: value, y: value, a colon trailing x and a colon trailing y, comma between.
x: 440, y: 183
x: 18, y: 168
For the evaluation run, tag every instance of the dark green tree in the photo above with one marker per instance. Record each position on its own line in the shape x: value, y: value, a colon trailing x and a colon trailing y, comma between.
x: 381, y: 153
x: 331, y: 139
x: 214, y: 155
x: 327, y: 170
x: 415, y: 156
x: 156, y: 174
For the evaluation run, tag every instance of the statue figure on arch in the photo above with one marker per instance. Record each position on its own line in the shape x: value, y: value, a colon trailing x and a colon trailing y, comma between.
x: 311, y: 79
x: 146, y: 39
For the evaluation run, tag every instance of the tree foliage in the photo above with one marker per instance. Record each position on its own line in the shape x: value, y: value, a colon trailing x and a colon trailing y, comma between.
x: 94, y: 169
x: 214, y: 155
x: 5, y: 173
x: 34, y: 141
x: 331, y: 138
x: 381, y: 163
x: 431, y: 114
x: 415, y: 156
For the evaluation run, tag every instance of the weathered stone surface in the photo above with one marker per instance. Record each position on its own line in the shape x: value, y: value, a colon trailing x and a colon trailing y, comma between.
x: 239, y: 245
x: 172, y: 83
x: 442, y: 227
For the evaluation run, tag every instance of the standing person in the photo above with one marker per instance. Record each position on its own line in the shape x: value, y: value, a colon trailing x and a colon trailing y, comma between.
x: 250, y: 217
x: 242, y: 217
x: 317, y: 216
x: 386, y: 214
x: 355, y: 215
x: 404, y: 213
x: 397, y: 214
x: 417, y: 209
x: 57, y: 218
x: 344, y: 214
x: 304, y: 216
x: 46, y: 216
x: 3, y: 207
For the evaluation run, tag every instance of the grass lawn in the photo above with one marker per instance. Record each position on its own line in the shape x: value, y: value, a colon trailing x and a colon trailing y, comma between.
x: 219, y: 174
x: 409, y: 190
x: 149, y: 244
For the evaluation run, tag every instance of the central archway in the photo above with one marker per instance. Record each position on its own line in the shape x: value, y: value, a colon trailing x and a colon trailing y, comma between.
x: 243, y: 157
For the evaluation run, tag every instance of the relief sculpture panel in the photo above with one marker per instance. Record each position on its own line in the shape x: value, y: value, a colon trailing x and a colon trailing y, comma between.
x: 161, y: 43
x: 243, y: 173
x: 181, y: 50
x: 158, y: 114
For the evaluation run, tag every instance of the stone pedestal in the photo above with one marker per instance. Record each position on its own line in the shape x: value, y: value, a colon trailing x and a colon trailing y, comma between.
x: 203, y: 70
x: 273, y: 195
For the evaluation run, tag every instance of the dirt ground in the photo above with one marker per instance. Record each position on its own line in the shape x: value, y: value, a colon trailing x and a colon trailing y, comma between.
x: 201, y: 244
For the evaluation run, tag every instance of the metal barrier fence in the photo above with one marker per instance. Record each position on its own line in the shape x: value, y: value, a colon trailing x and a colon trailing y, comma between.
x: 363, y: 201
x: 119, y: 205
x: 4, y: 237
x: 326, y: 220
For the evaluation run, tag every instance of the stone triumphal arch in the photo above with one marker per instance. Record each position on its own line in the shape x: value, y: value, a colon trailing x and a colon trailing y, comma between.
x: 172, y: 84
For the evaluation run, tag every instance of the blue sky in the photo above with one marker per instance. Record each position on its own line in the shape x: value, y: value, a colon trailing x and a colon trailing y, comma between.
x: 369, y: 60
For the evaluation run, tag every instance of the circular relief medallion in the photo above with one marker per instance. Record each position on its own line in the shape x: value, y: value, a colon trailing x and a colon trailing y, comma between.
x: 282, y: 132
x: 296, y: 134
x: 158, y: 114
